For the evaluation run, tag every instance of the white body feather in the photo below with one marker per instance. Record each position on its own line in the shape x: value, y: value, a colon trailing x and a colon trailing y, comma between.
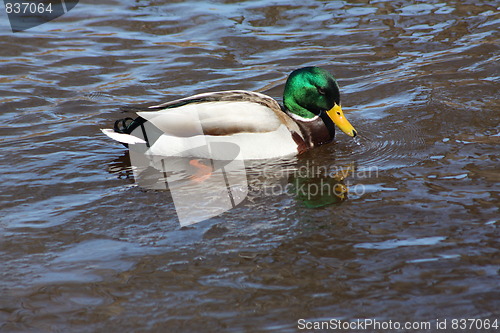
x: 191, y: 129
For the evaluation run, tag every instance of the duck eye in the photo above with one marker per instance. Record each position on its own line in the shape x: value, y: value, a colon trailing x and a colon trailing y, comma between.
x: 321, y: 91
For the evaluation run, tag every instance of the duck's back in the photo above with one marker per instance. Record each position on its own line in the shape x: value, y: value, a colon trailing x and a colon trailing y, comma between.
x: 252, y: 121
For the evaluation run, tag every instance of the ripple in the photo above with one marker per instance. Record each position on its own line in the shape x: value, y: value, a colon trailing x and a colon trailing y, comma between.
x: 395, y: 243
x: 377, y: 147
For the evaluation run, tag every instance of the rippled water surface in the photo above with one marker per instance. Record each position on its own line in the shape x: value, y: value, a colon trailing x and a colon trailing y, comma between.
x: 84, y: 249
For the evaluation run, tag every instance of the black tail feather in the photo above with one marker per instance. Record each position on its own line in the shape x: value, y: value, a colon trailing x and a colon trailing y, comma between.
x: 127, y: 125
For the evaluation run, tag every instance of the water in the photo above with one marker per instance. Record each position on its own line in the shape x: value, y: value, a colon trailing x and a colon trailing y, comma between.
x: 84, y: 249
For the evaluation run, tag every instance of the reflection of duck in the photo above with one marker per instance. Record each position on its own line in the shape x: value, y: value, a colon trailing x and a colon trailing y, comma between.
x: 253, y: 121
x: 318, y: 189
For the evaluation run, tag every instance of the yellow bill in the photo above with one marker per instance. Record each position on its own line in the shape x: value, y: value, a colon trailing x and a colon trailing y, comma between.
x: 338, y: 118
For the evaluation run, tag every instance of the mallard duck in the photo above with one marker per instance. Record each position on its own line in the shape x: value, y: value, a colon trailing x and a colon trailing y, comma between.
x: 252, y: 122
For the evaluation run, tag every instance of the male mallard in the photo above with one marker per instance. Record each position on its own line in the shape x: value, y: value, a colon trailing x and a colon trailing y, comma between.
x: 253, y: 122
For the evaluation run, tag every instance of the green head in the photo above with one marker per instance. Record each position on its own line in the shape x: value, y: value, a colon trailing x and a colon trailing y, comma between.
x: 311, y: 91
